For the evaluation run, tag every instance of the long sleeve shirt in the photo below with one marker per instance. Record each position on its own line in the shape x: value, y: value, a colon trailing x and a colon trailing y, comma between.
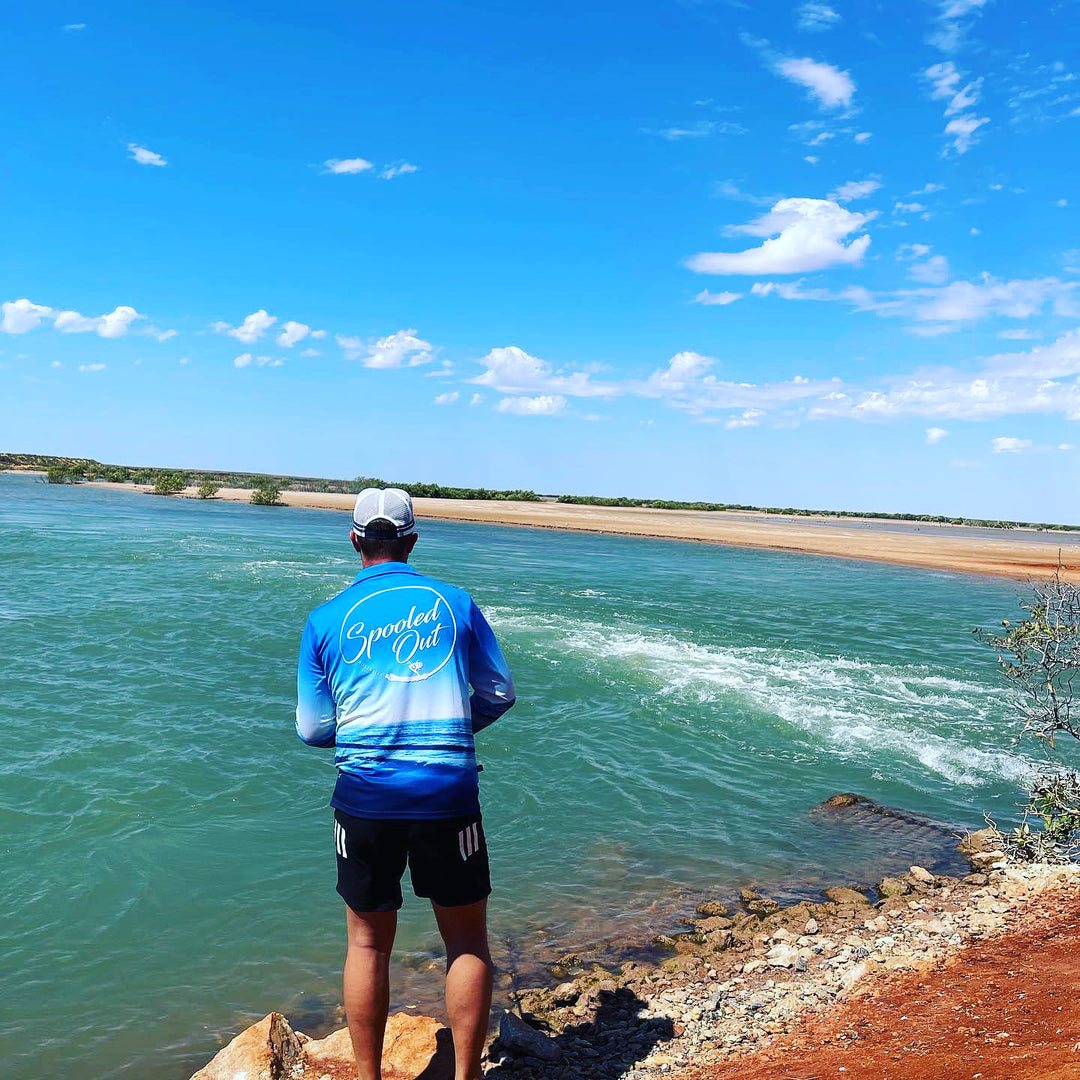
x: 383, y: 677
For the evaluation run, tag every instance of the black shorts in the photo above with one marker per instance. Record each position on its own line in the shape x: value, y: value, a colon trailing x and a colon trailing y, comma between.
x: 447, y: 858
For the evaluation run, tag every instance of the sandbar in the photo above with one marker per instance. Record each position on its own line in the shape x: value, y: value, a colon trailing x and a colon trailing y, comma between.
x: 957, y: 549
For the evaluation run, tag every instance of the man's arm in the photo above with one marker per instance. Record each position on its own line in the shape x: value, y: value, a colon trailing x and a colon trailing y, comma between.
x: 316, y: 714
x: 493, y: 688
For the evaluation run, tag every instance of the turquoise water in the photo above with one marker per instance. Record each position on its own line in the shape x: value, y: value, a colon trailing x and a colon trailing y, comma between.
x: 167, y: 860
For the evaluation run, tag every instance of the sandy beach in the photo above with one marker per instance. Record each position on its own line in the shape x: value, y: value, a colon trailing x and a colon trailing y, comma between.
x: 957, y: 549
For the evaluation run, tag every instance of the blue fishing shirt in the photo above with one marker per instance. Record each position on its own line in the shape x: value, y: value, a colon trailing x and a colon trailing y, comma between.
x: 384, y: 675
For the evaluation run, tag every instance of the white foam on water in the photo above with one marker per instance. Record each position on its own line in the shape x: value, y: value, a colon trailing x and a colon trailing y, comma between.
x: 850, y: 706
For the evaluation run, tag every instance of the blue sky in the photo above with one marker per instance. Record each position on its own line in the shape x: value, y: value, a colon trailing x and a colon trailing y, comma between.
x: 812, y: 254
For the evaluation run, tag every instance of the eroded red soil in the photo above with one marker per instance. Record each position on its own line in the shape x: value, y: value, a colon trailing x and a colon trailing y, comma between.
x: 1004, y: 1009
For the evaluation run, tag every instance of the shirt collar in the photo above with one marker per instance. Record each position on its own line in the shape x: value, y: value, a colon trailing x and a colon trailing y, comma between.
x: 379, y: 569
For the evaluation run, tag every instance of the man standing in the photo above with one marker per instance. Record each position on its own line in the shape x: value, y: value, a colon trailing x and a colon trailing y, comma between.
x: 384, y: 675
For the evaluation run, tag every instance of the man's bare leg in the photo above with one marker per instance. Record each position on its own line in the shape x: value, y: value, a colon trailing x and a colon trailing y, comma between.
x: 468, y: 982
x: 367, y: 985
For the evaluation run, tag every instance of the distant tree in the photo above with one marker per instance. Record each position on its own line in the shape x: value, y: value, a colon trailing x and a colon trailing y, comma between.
x: 1041, y: 654
x: 59, y: 474
x: 266, y: 492
x: 208, y: 489
x: 169, y: 483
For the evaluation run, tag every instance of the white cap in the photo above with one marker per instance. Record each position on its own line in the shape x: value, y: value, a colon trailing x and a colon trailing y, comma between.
x: 383, y: 514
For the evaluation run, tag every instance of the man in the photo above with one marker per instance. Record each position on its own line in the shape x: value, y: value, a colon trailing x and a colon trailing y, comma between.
x: 384, y: 675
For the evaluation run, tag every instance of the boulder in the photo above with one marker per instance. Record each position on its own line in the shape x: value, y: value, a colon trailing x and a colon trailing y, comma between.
x: 414, y: 1046
x: 921, y: 875
x: 756, y: 904
x: 520, y: 1040
x: 268, y: 1050
x: 713, y: 907
x: 846, y: 897
x: 893, y: 886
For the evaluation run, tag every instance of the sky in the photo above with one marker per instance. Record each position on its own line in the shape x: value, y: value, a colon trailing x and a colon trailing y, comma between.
x: 820, y: 255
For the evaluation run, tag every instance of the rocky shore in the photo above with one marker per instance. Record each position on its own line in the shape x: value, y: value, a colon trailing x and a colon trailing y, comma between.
x: 735, y: 981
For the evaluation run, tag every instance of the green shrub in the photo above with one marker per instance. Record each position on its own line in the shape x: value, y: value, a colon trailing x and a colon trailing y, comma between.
x: 208, y: 489
x: 59, y: 474
x: 266, y: 492
x: 169, y: 483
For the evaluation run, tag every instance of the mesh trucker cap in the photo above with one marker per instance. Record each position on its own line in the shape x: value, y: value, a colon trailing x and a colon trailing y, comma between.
x: 383, y: 514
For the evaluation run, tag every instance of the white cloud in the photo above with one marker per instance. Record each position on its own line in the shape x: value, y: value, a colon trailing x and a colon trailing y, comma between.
x: 401, y: 169
x: 815, y: 17
x: 511, y: 370
x: 544, y: 405
x: 160, y: 335
x: 308, y: 353
x: 806, y: 234
x: 346, y: 166
x: 687, y: 383
x: 73, y: 27
x: 831, y: 87
x: 700, y: 129
x: 962, y: 122
x: 951, y: 25
x: 863, y: 136
x: 91, y: 367
x: 476, y: 399
x: 250, y: 330
x: 811, y: 159
x: 1017, y: 333
x: 144, y: 156
x: 748, y: 418
x: 185, y: 359
x: 722, y: 298
x: 909, y: 208
x: 933, y: 271
x: 934, y: 435
x: 400, y: 349
x: 291, y: 333
x: 447, y: 399
x: 962, y: 129
x: 318, y: 334
x: 1062, y: 202
x: 21, y: 316
x: 1008, y: 445
x: 116, y: 323
x: 243, y: 360
x: 855, y: 189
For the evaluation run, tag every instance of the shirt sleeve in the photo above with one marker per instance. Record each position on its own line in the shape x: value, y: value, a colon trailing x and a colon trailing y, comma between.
x: 493, y: 688
x: 316, y: 714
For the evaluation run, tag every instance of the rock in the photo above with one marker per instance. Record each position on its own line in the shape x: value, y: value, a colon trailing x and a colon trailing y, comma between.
x: 413, y: 1045
x: 854, y: 974
x: 268, y: 1050
x: 921, y: 875
x: 846, y: 897
x: 757, y: 904
x: 566, y: 993
x: 713, y: 907
x: 893, y: 886
x: 714, y: 922
x: 782, y: 955
x: 523, y: 1041
x: 811, y: 927
x: 271, y: 1050
x: 844, y: 800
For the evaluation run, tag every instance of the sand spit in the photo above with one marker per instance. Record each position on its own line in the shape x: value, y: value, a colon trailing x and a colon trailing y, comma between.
x: 957, y: 550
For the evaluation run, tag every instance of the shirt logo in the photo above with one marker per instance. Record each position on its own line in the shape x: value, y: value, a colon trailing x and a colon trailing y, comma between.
x: 405, y: 634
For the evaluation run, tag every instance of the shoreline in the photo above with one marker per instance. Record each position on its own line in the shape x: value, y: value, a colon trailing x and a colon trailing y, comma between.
x: 756, y: 991
x: 849, y: 538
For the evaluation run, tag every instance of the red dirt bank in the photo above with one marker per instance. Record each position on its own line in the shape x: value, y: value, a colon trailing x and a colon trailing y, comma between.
x: 1004, y: 1009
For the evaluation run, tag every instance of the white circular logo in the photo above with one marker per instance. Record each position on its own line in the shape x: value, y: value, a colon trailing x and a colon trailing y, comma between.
x: 405, y: 634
